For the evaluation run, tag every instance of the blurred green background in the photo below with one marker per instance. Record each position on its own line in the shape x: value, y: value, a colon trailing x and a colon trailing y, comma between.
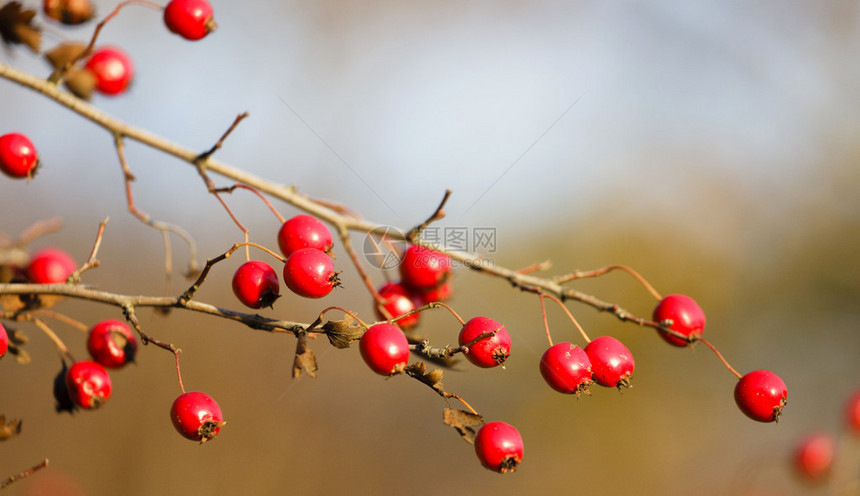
x: 710, y: 145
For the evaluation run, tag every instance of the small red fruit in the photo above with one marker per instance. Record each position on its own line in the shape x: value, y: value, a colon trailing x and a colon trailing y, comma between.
x: 422, y: 269
x: 88, y: 384
x: 566, y: 368
x: 499, y: 447
x: 112, y: 68
x: 385, y: 349
x: 761, y: 395
x: 112, y: 344
x: 310, y: 273
x: 489, y: 351
x: 196, y: 416
x: 256, y: 284
x: 441, y: 293
x: 611, y: 362
x: 685, y: 315
x: 398, y: 301
x: 813, y: 456
x: 304, y: 231
x: 69, y: 12
x: 191, y: 19
x: 50, y: 266
x: 4, y: 341
x: 18, y: 157
x: 852, y: 413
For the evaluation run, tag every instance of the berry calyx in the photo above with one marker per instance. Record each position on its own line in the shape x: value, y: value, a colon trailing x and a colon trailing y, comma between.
x: 761, y: 395
x: 304, y: 231
x: 384, y: 349
x: 191, y: 19
x: 681, y: 314
x: 69, y: 12
x: 310, y: 273
x: 398, y: 301
x: 18, y: 157
x: 852, y: 413
x: 4, y: 341
x: 112, y: 69
x: 256, y: 284
x: 196, y: 416
x: 612, y: 363
x: 50, y: 266
x: 813, y: 456
x: 422, y: 269
x: 499, y: 447
x: 88, y: 384
x: 112, y: 344
x: 566, y: 368
x: 489, y: 351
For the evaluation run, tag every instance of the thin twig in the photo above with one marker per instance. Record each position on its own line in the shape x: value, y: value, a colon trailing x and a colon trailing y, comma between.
x: 580, y: 274
x: 27, y: 473
x: 92, y: 261
x: 438, y: 214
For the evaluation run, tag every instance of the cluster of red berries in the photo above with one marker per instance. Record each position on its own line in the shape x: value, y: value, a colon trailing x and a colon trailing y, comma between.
x: 424, y: 278
x: 87, y: 384
x: 309, y: 270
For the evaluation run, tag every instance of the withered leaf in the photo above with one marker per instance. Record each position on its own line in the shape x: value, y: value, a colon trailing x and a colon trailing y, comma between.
x: 10, y: 429
x: 305, y: 360
x: 64, y: 53
x: 16, y: 26
x: 341, y: 333
x: 433, y: 378
x: 466, y: 423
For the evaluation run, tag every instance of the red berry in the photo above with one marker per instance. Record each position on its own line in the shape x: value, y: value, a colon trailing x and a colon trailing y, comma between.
x: 499, y: 446
x: 489, y: 351
x: 310, y: 273
x: 852, y: 412
x: 18, y: 157
x: 256, y: 284
x: 441, y: 293
x: 50, y: 266
x: 761, y: 395
x: 304, y: 231
x: 197, y: 416
x: 4, y: 341
x: 69, y: 12
x: 685, y: 315
x: 88, y: 384
x: 112, y: 69
x: 422, y: 269
x: 566, y: 368
x: 112, y: 344
x: 813, y: 457
x: 191, y: 19
x: 398, y: 301
x: 611, y: 362
x: 385, y: 349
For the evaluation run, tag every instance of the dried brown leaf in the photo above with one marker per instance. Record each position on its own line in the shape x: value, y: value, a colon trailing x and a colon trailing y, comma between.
x: 64, y: 53
x: 341, y: 333
x: 465, y: 423
x: 10, y: 429
x: 305, y: 360
x: 16, y: 26
x: 433, y: 378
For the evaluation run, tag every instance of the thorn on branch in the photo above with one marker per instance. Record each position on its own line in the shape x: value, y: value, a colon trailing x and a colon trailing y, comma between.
x: 205, y: 155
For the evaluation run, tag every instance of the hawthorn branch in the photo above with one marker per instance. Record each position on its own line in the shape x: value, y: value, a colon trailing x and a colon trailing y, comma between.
x: 254, y: 321
x: 290, y: 194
